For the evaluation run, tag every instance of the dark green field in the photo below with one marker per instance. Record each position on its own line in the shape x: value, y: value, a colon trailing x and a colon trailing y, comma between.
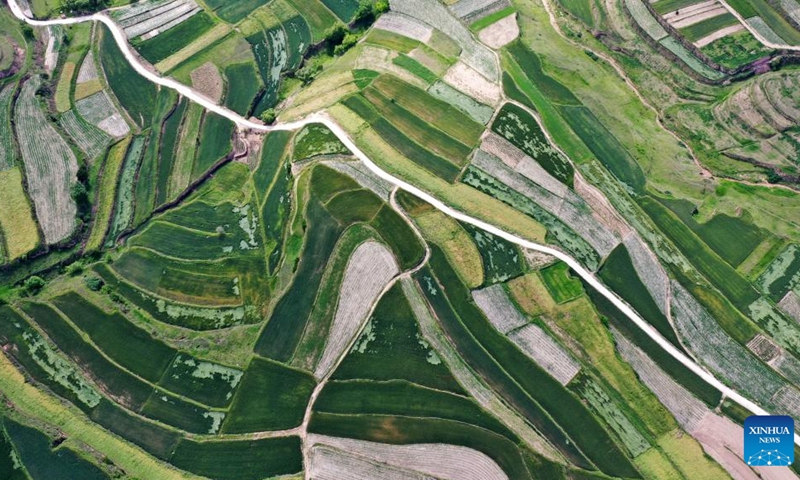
x: 502, y: 260
x: 367, y: 397
x: 131, y: 391
x: 153, y: 438
x: 205, y: 382
x: 233, y: 12
x: 126, y: 344
x: 520, y: 128
x: 9, y: 469
x: 171, y: 41
x: 177, y: 413
x: 406, y: 246
x: 391, y: 349
x: 354, y: 206
x: 530, y: 62
x: 42, y: 462
x: 344, y: 9
x: 243, y: 86
x: 243, y: 459
x: 136, y: 94
x: 271, y: 397
x: 706, y: 27
x: 620, y: 275
x: 545, y: 392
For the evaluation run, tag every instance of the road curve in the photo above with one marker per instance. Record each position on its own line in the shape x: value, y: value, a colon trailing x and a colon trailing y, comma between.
x: 344, y: 137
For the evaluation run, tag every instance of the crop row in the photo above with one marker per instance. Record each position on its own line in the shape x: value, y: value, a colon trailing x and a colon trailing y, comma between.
x: 50, y: 166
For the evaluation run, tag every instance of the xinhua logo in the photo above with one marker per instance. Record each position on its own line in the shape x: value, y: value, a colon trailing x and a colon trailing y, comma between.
x: 769, y: 441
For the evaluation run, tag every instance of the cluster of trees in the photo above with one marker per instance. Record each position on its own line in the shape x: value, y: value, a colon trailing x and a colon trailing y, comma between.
x: 83, y: 6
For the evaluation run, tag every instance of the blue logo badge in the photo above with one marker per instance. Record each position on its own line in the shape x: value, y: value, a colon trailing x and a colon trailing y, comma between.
x: 769, y: 441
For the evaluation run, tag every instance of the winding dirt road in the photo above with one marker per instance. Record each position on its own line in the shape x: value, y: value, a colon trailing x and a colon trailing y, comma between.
x: 196, y: 97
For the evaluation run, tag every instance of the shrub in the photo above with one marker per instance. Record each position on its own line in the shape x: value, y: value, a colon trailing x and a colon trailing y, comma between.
x: 33, y: 285
x: 94, y: 283
x: 268, y: 116
x: 347, y: 43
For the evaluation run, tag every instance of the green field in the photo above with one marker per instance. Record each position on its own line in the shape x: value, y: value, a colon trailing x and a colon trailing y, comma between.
x: 520, y: 128
x: 179, y: 414
x: 666, y: 6
x: 405, y: 145
x: 560, y: 282
x: 271, y: 397
x: 153, y: 438
x: 415, y: 68
x: 538, y: 387
x: 316, y: 139
x: 390, y: 348
x: 620, y: 275
x: 168, y: 150
x: 215, y: 142
x: 136, y: 94
x: 243, y: 459
x: 34, y: 449
x: 502, y: 260
x: 243, y: 86
x: 344, y: 9
x: 400, y: 398
x: 171, y: 41
x: 733, y: 51
x: 706, y: 27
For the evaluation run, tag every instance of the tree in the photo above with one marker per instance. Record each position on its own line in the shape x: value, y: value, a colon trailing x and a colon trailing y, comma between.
x: 347, y: 43
x: 269, y: 116
x: 94, y: 283
x: 33, y: 285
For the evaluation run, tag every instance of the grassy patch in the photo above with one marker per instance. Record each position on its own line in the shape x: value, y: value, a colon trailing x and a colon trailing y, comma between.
x: 559, y: 281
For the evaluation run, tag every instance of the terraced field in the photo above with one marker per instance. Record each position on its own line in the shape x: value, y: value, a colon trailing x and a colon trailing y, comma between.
x: 189, y: 293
